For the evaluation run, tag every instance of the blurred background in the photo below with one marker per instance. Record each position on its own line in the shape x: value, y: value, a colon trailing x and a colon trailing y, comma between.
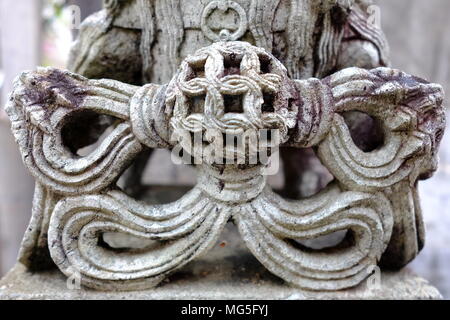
x: 38, y: 32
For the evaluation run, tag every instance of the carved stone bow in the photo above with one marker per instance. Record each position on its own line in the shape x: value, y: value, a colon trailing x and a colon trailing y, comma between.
x: 227, y: 87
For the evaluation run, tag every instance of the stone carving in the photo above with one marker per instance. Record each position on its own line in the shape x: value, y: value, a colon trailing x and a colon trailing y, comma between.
x: 227, y: 87
x: 43, y: 101
x: 224, y: 34
x: 232, y: 69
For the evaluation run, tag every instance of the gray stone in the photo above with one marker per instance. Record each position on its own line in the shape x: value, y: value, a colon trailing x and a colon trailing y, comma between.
x: 228, y: 272
x: 200, y: 79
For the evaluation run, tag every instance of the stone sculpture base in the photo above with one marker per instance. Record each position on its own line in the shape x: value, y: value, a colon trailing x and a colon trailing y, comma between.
x: 228, y: 271
x: 227, y: 280
x: 219, y: 283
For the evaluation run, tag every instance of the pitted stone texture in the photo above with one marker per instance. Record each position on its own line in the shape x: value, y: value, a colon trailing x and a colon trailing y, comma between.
x: 77, y: 201
x: 373, y: 198
x: 51, y: 285
x: 229, y: 272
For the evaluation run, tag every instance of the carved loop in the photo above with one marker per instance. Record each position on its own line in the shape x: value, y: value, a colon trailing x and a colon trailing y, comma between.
x: 224, y: 35
x: 84, y: 204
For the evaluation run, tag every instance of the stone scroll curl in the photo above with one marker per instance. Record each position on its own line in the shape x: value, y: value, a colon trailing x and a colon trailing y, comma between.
x: 79, y: 200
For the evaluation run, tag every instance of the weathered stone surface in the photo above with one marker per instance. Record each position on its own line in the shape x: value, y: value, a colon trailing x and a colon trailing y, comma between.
x: 419, y: 45
x: 418, y: 40
x: 228, y: 272
x: 74, y: 191
x: 227, y: 88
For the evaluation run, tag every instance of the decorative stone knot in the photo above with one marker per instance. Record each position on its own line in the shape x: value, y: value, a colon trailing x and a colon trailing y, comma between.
x: 232, y: 87
x: 232, y: 184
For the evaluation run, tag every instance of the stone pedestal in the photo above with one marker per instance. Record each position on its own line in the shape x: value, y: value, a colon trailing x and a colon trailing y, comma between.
x: 228, y: 272
x: 227, y: 280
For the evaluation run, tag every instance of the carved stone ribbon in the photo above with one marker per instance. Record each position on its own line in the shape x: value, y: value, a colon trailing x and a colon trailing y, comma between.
x: 77, y: 199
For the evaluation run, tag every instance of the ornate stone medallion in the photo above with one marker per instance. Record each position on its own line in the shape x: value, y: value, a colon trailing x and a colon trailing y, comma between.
x: 223, y: 7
